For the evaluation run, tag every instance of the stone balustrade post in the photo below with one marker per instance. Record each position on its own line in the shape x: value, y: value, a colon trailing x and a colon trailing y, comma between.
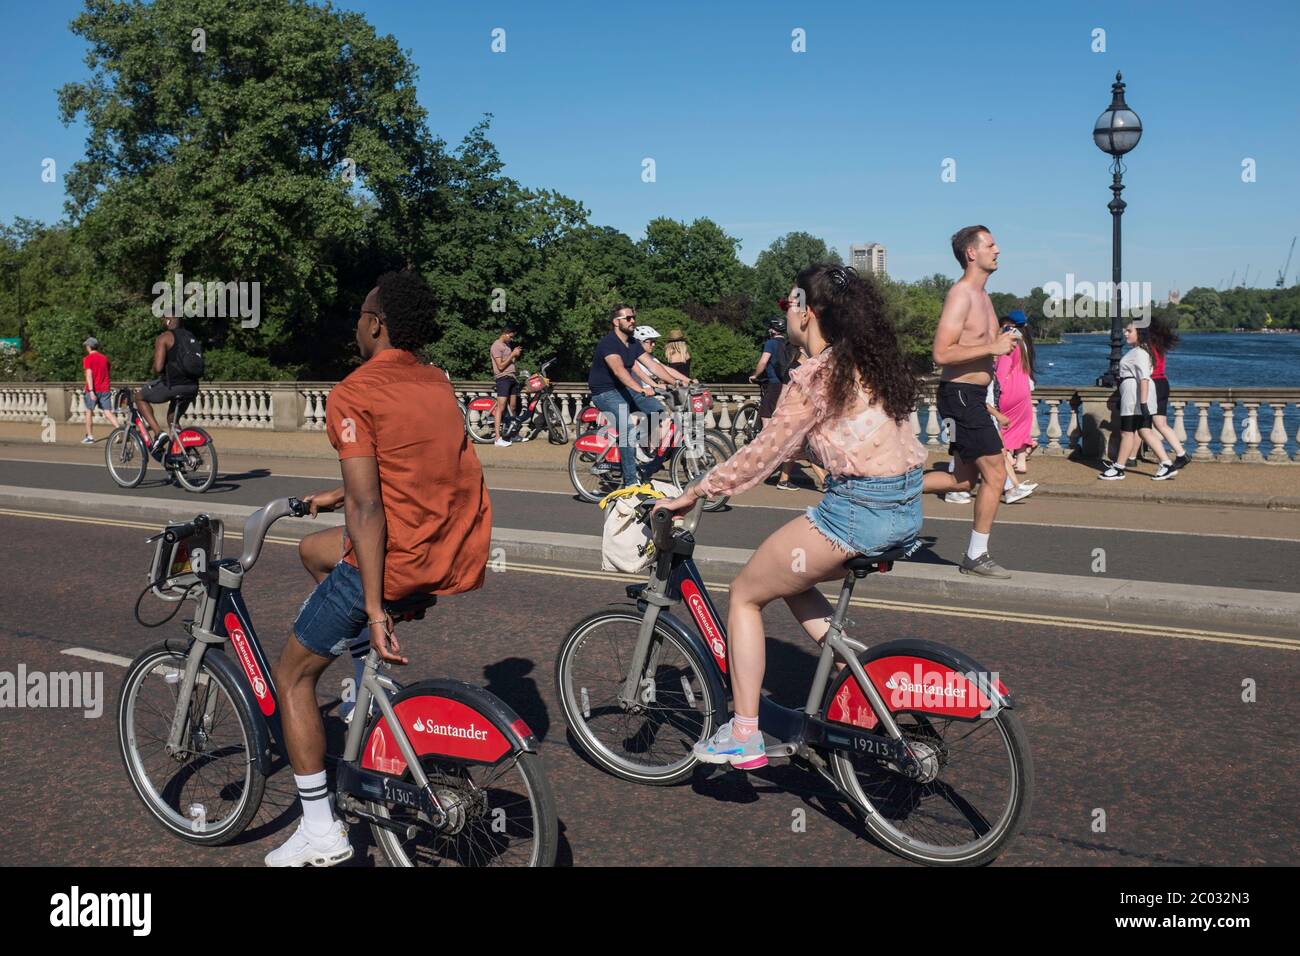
x: 1203, y: 452
x: 1277, y: 435
x: 1228, y: 433
x: 1250, y: 436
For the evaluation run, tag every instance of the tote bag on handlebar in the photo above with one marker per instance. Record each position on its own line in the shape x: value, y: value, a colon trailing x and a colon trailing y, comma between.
x: 625, y: 543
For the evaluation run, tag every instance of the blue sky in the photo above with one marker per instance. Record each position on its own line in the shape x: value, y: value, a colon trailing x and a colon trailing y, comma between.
x: 845, y: 140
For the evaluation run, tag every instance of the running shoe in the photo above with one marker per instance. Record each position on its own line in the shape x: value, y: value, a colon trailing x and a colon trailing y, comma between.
x: 1181, y: 462
x: 1112, y: 474
x: 983, y: 566
x: 502, y: 443
x: 785, y: 486
x: 88, y: 440
x: 958, y: 498
x: 303, y: 849
x: 724, y: 748
x: 160, y: 446
x: 1165, y: 471
x: 1019, y: 493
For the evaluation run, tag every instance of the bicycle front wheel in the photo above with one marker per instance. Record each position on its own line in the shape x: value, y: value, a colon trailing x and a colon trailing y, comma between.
x: 974, y: 794
x: 126, y: 457
x: 198, y: 470
x: 481, y: 426
x: 208, y: 791
x: 501, y: 815
x: 650, y: 739
x: 746, y: 424
x: 686, y: 468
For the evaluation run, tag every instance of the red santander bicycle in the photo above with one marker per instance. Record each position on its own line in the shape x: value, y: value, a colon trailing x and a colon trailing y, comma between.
x: 191, y: 458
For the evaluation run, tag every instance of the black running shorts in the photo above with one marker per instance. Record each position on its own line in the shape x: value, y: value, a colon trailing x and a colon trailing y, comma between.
x: 973, y: 433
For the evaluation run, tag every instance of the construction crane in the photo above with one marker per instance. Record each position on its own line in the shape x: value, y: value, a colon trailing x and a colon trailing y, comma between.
x: 1233, y: 279
x: 1281, y: 276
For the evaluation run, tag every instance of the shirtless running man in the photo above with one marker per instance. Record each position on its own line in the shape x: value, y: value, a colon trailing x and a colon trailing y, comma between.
x: 965, y: 344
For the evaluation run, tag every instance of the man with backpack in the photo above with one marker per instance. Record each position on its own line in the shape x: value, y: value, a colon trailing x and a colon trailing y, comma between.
x: 178, y: 363
x: 773, y: 369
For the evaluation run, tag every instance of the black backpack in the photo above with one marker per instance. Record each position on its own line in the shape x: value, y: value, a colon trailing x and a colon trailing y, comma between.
x: 189, y: 354
x: 783, y: 359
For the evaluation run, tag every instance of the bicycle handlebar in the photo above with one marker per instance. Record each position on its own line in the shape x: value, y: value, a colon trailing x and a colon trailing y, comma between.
x: 661, y: 524
x: 176, y: 532
x: 259, y: 523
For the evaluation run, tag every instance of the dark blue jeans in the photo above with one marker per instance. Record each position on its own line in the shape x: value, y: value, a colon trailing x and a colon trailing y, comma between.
x: 617, y: 404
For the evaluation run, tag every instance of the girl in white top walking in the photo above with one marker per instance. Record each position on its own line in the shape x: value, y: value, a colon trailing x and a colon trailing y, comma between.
x: 1137, y: 403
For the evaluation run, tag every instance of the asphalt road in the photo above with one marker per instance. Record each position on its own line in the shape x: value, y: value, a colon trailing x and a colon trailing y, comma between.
x: 1219, y: 560
x: 1151, y: 729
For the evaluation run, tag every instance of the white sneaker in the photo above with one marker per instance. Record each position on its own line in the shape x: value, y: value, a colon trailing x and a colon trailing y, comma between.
x: 1017, y: 494
x: 502, y: 443
x: 958, y: 498
x: 302, y: 849
x: 88, y: 440
x: 1031, y: 485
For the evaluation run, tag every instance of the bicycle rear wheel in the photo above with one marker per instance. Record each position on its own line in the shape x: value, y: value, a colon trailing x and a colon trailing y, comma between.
x: 199, y: 469
x: 975, y: 793
x: 557, y: 433
x: 209, y: 791
x: 126, y: 457
x: 746, y: 424
x: 481, y: 426
x: 502, y: 815
x: 592, y: 476
x: 651, y: 740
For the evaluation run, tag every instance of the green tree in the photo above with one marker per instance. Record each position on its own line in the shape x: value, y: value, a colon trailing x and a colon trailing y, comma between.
x: 775, y: 271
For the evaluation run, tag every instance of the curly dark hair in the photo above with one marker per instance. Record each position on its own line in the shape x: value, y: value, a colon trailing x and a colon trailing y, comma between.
x: 1162, y: 335
x: 854, y: 319
x: 409, y: 310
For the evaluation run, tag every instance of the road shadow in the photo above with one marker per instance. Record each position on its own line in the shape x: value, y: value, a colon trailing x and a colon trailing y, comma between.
x: 508, y: 679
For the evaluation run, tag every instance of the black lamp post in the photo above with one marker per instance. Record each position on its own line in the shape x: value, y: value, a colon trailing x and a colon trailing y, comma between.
x: 1116, y: 131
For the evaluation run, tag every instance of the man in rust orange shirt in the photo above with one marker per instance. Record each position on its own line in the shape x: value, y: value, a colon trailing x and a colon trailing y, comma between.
x: 418, y: 520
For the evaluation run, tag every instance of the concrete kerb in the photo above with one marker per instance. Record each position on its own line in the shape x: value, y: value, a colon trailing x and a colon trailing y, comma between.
x: 1236, y: 608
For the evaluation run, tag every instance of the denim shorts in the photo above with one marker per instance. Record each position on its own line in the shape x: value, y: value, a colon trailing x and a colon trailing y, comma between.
x: 870, y: 516
x: 95, y: 400
x: 333, y: 618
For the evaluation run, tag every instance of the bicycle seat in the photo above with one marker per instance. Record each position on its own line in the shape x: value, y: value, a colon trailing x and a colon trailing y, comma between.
x: 860, y: 564
x: 410, y: 607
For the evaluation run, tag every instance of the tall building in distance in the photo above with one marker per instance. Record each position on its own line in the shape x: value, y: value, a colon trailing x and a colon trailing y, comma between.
x: 869, y: 258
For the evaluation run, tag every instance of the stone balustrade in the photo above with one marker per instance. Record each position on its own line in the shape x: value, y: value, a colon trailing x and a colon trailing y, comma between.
x: 1214, y: 424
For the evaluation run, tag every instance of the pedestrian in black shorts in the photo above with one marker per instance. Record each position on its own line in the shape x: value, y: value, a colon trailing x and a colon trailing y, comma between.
x: 965, y: 345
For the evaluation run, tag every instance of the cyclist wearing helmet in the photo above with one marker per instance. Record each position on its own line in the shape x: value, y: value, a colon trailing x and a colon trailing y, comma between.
x: 767, y: 372
x: 648, y: 368
x: 614, y: 388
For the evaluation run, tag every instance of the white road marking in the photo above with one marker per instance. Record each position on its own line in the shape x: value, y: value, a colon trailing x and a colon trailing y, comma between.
x: 100, y: 656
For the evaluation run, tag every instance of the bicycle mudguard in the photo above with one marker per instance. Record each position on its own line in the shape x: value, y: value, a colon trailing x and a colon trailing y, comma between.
x: 192, y: 436
x: 589, y: 415
x: 451, y: 719
x: 482, y: 404
x: 593, y: 442
x: 918, y: 676
x: 216, y: 658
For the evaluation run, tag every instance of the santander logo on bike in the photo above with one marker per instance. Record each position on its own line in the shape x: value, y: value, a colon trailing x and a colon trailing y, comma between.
x: 237, y: 637
x: 928, y: 689
x: 449, y: 730
x: 700, y: 610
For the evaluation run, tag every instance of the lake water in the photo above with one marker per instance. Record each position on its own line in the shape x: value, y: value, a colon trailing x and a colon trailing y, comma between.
x: 1205, y: 359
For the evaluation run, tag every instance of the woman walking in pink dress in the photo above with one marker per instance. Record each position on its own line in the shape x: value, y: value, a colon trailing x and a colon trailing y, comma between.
x: 1015, y: 384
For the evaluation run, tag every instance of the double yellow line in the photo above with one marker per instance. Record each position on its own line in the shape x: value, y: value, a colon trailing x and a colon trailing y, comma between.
x: 1124, y: 629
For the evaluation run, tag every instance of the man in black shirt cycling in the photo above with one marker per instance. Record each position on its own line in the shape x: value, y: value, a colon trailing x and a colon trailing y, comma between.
x: 176, y: 384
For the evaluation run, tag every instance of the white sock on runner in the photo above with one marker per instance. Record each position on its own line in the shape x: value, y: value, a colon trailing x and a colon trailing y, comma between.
x: 1006, y: 483
x: 979, y: 544
x: 315, y: 797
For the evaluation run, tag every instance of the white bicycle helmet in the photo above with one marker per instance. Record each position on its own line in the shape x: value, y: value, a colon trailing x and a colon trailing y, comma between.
x: 643, y: 332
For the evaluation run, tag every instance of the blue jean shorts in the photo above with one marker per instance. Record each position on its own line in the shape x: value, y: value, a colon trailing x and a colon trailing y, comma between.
x: 93, y: 400
x: 870, y: 516
x: 333, y: 618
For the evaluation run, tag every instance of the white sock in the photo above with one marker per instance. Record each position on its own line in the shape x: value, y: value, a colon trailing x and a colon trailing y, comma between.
x: 979, y: 544
x: 315, y: 797
x: 1006, y: 483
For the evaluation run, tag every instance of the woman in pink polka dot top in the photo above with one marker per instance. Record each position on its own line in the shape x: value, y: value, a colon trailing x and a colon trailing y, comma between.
x: 850, y: 403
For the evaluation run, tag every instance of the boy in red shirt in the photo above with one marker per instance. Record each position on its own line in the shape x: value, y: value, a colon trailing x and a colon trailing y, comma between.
x: 99, y: 393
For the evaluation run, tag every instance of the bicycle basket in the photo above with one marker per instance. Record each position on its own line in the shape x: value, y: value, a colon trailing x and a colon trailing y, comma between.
x: 536, y: 383
x: 172, y: 572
